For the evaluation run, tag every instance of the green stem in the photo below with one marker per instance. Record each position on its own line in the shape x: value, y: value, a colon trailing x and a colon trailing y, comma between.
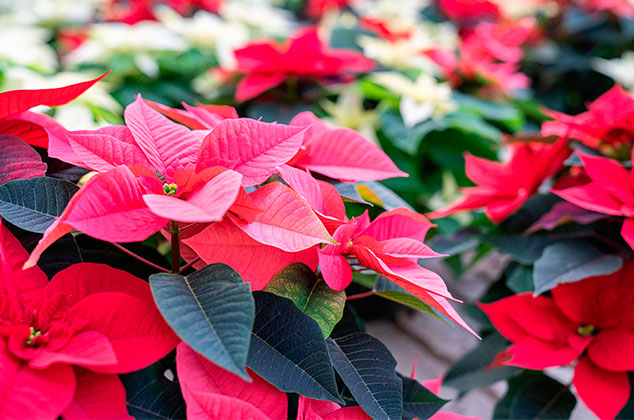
x: 176, y: 248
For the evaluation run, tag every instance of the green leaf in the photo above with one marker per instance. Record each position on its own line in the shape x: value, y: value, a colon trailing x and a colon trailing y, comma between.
x: 533, y: 395
x: 524, y: 249
x: 288, y: 349
x: 312, y: 296
x: 212, y: 310
x: 33, y: 204
x: 570, y: 261
x: 418, y: 401
x: 471, y: 124
x: 349, y: 193
x: 366, y: 366
x: 519, y: 278
x: 507, y: 115
x: 388, y: 199
x: 154, y: 392
x: 475, y: 369
x: 388, y: 290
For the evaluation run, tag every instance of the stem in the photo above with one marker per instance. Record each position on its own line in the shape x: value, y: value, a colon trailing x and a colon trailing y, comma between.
x: 189, y: 264
x: 185, y: 229
x: 176, y: 248
x: 140, y: 258
x: 361, y: 295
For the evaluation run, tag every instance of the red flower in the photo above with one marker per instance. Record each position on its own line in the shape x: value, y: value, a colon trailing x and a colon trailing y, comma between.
x: 609, y: 120
x: 590, y: 320
x: 502, y: 188
x: 469, y: 12
x: 133, y: 11
x: 63, y: 341
x: 611, y: 191
x: 501, y: 41
x: 317, y: 8
x: 622, y: 8
x: 385, y: 29
x: 268, y: 64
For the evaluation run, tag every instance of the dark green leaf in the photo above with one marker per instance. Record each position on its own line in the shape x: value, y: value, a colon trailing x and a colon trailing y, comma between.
x: 533, y: 395
x: 569, y: 261
x: 311, y: 295
x: 475, y: 369
x: 33, y: 204
x: 519, y: 278
x: 154, y: 392
x: 212, y: 310
x: 288, y: 349
x: 418, y: 401
x: 367, y: 368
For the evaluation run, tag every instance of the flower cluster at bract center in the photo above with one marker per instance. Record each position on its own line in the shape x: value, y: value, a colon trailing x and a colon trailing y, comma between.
x: 589, y: 322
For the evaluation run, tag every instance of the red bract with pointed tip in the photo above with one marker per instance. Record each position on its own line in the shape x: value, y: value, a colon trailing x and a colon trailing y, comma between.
x: 268, y: 64
x: 611, y: 191
x: 35, y: 129
x: 154, y: 170
x: 213, y: 393
x: 590, y: 320
x: 502, y: 188
x: 609, y: 120
x: 341, y: 153
x: 63, y: 341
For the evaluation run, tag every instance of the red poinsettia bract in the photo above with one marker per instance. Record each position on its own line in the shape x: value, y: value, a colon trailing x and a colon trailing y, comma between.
x: 610, y: 191
x: 31, y: 127
x: 318, y: 8
x: 470, y: 12
x: 213, y: 393
x: 63, y: 342
x: 609, y: 120
x: 133, y: 11
x: 269, y: 64
x: 502, y: 188
x: 590, y: 321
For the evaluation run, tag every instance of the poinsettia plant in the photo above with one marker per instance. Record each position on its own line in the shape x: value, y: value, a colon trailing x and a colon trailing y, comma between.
x: 257, y: 303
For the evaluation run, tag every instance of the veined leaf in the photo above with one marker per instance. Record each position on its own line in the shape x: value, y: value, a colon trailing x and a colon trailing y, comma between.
x: 288, y: 349
x: 311, y: 295
x: 33, y: 204
x: 418, y: 401
x: 212, y: 310
x: 367, y: 368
